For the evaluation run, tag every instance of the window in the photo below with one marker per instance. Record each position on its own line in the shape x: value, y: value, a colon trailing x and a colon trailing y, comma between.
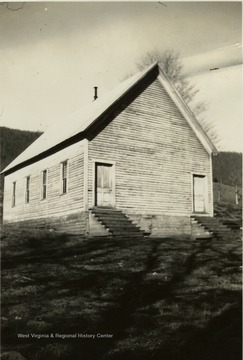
x: 64, y: 177
x: 14, y: 194
x: 27, y: 190
x: 44, y: 184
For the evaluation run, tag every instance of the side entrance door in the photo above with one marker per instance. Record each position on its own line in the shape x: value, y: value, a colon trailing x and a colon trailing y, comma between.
x: 199, y: 193
x: 104, y: 193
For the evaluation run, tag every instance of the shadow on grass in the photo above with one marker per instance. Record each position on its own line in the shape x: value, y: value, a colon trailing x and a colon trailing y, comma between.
x: 159, y: 298
x: 218, y: 340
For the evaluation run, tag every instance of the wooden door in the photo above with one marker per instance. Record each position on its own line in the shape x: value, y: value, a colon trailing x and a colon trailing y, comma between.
x: 103, y: 185
x: 199, y: 193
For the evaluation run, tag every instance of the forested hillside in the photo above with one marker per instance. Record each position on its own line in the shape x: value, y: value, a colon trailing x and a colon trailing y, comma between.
x: 227, y: 168
x: 13, y: 142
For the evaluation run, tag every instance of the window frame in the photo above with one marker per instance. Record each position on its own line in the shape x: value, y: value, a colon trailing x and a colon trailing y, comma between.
x: 27, y: 190
x: 64, y: 177
x: 44, y: 184
x: 14, y: 193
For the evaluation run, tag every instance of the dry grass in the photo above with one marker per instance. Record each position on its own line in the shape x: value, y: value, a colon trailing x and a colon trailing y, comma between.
x: 160, y: 298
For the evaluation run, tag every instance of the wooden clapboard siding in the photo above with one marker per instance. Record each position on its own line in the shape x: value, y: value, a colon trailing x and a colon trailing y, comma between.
x: 56, y: 204
x: 155, y: 153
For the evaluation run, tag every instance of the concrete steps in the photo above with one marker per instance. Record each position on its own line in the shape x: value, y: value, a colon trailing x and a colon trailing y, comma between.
x: 214, y: 226
x: 229, y: 215
x: 199, y: 231
x: 116, y: 222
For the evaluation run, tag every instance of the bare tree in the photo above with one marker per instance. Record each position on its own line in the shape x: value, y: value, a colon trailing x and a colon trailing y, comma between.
x: 171, y: 64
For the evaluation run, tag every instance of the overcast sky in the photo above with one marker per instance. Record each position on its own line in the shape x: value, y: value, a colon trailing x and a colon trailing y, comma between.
x: 52, y: 54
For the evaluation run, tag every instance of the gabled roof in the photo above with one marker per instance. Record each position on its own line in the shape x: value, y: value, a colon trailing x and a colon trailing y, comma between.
x: 80, y: 121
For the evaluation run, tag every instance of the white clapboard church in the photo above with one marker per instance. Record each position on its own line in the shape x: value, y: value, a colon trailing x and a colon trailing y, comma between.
x: 134, y: 160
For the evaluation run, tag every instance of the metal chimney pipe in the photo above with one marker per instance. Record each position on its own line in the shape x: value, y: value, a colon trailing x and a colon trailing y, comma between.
x: 95, y: 92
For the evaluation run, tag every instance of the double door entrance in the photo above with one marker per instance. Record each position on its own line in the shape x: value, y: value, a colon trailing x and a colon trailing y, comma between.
x: 104, y: 185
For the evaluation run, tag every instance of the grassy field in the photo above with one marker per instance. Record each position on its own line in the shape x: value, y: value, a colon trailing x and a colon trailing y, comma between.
x: 158, y: 299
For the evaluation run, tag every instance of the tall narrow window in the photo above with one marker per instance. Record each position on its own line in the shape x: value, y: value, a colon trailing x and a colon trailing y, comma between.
x: 44, y: 183
x: 64, y: 177
x: 14, y: 194
x: 27, y: 190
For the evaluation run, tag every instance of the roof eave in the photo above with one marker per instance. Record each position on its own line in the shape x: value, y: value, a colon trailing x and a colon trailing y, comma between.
x: 74, y: 139
x: 11, y: 168
x: 172, y: 92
